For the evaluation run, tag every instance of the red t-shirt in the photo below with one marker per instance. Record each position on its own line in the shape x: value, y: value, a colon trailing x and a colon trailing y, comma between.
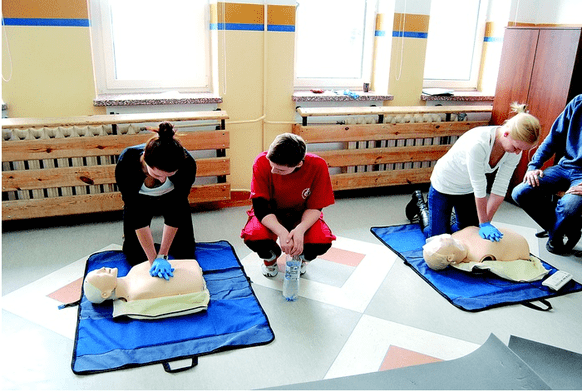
x: 309, y: 187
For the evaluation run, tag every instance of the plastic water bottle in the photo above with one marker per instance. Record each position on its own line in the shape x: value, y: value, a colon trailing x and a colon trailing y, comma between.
x: 291, y: 280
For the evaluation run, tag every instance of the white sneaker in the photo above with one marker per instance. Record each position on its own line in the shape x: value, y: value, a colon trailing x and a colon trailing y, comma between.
x: 304, y: 264
x: 270, y: 270
x: 304, y: 267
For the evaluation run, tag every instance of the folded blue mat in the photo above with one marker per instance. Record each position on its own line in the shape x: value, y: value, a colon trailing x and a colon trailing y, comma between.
x: 467, y: 291
x: 234, y: 319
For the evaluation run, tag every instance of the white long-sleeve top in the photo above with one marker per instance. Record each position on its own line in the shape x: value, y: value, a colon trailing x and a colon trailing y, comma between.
x: 463, y: 168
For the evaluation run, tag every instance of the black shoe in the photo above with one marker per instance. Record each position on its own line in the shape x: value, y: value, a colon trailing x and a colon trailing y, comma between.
x: 555, y: 248
x: 419, y: 208
x: 423, y: 220
x: 412, y: 210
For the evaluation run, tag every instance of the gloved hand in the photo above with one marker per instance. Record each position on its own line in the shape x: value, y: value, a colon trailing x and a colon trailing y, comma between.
x: 489, y: 232
x: 161, y: 268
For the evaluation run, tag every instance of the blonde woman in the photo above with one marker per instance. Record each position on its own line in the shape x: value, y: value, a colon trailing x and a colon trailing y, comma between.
x: 459, y: 178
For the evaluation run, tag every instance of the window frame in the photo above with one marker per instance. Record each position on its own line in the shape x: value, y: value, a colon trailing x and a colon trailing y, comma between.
x: 477, y: 56
x: 367, y: 58
x: 104, y: 65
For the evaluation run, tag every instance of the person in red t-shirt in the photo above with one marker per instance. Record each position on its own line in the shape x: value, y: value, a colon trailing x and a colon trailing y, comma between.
x: 289, y: 188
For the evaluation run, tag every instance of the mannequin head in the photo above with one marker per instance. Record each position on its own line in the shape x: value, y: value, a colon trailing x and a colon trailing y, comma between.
x: 100, y: 284
x: 442, y: 250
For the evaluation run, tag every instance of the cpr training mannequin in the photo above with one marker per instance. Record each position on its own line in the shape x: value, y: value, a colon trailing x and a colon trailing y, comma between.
x: 139, y: 295
x: 466, y: 250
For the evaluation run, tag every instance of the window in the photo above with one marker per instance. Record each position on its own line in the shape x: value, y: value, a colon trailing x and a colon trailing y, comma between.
x: 151, y: 46
x: 334, y: 44
x: 455, y: 40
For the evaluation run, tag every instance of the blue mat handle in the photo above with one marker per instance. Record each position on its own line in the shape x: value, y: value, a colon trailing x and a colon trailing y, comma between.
x: 169, y: 369
x: 535, y: 307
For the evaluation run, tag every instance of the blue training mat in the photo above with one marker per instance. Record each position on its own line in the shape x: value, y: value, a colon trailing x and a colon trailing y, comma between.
x: 234, y: 319
x: 467, y: 291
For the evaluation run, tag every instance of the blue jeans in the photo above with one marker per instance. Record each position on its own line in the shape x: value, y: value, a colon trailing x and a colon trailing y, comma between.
x: 440, y: 207
x: 558, y: 219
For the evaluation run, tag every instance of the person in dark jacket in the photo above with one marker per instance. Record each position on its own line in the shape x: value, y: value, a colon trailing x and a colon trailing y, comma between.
x: 155, y: 178
x: 534, y: 195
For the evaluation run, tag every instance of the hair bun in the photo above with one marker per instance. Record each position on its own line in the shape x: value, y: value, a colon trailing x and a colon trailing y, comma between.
x: 519, y: 107
x: 166, y: 131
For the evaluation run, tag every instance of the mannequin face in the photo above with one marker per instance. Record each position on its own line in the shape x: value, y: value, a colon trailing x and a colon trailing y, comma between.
x: 442, y: 250
x: 104, y: 279
x: 452, y: 249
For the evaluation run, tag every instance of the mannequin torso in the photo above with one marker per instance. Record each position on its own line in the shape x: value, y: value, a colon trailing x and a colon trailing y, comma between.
x: 513, y: 246
x: 139, y: 284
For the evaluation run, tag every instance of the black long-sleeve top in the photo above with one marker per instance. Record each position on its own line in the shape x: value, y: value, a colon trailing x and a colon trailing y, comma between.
x: 130, y: 177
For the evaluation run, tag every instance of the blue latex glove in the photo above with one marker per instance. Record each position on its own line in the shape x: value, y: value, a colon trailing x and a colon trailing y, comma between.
x: 351, y: 94
x: 489, y: 232
x: 161, y: 268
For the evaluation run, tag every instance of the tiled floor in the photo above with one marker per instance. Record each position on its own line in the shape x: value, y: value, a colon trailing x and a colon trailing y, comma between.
x: 360, y: 308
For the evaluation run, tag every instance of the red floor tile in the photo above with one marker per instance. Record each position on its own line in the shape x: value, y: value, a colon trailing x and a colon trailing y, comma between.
x: 69, y: 293
x: 398, y: 357
x: 342, y: 256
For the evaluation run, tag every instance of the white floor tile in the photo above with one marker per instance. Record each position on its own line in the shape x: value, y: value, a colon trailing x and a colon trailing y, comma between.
x: 31, y: 302
x: 367, y: 346
x: 357, y: 291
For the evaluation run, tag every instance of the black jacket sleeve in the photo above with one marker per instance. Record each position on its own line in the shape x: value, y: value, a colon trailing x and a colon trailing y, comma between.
x: 130, y: 177
x: 261, y: 207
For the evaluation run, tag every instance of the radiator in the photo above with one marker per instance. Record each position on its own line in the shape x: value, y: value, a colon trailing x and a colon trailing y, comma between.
x: 406, y: 118
x: 57, y: 133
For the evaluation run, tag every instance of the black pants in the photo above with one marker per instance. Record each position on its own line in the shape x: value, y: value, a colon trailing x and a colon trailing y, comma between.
x: 176, y: 214
x: 264, y: 247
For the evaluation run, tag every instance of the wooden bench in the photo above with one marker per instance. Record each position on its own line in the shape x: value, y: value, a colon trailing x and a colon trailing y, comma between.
x: 381, y: 146
x: 66, y: 166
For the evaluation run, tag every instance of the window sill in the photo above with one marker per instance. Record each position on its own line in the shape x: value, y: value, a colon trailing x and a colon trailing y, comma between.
x: 462, y: 96
x: 173, y: 98
x: 330, y: 96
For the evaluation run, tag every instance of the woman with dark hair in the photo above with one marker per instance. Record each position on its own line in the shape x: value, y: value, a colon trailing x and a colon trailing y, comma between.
x: 155, y: 178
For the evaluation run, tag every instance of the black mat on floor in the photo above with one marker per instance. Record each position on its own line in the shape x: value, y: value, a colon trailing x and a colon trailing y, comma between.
x: 491, y: 366
x: 560, y: 369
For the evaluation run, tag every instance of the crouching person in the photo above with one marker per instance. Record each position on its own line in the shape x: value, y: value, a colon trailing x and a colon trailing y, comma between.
x: 289, y: 189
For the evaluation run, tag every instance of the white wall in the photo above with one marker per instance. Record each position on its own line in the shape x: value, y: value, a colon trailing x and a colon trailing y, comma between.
x: 547, y: 11
x: 560, y: 11
x: 421, y: 7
